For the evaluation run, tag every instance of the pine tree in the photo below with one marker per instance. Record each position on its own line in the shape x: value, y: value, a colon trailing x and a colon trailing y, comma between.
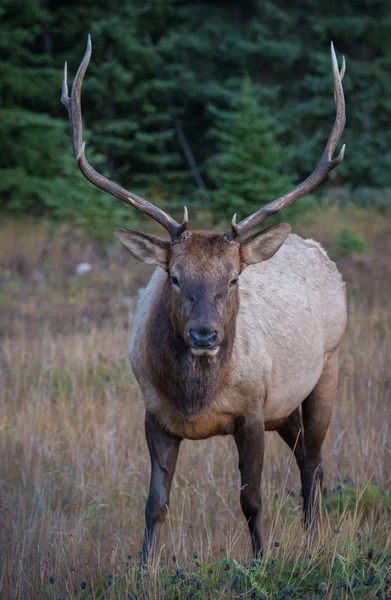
x: 127, y: 99
x: 248, y: 169
x: 39, y: 174
x: 29, y: 136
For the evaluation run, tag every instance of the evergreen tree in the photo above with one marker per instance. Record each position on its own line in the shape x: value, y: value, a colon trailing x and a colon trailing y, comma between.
x: 248, y: 169
x: 39, y: 174
x: 29, y: 135
x: 134, y: 125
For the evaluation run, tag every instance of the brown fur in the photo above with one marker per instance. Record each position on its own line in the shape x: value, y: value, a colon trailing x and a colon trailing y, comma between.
x: 188, y: 382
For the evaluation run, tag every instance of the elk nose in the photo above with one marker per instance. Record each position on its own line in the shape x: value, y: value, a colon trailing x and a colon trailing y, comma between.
x: 202, y: 338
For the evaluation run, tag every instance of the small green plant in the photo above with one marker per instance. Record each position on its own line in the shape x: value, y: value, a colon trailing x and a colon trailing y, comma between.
x: 347, y: 242
x: 59, y: 383
x: 351, y: 499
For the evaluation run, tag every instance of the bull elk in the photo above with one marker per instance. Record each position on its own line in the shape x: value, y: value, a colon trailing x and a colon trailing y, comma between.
x: 233, y: 334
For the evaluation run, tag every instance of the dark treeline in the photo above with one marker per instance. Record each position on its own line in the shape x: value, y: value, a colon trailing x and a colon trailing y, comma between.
x: 190, y: 102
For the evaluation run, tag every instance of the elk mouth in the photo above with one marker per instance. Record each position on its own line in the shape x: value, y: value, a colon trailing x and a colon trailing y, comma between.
x: 205, y: 351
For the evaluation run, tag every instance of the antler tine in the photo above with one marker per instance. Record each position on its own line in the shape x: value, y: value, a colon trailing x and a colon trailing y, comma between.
x: 64, y: 94
x: 73, y: 106
x: 340, y: 117
x: 343, y: 69
x: 326, y: 163
x: 185, y: 220
x: 234, y: 226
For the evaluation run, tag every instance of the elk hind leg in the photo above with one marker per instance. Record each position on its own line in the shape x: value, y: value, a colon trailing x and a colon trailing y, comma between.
x: 305, y: 434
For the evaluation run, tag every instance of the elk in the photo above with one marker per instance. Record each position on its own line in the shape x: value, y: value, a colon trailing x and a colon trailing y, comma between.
x: 234, y: 334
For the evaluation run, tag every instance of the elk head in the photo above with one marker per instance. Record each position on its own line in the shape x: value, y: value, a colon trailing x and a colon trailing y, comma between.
x: 203, y: 268
x: 203, y: 275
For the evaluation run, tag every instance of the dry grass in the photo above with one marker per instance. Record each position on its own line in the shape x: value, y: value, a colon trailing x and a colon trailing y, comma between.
x: 74, y: 466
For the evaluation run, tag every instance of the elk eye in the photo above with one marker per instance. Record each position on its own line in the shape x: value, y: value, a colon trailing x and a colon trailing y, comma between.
x: 174, y: 280
x: 234, y: 282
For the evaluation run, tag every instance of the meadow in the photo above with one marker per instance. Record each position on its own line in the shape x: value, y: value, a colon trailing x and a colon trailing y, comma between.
x: 74, y: 466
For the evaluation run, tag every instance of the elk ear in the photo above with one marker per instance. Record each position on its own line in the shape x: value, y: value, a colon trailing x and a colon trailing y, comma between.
x: 263, y: 245
x: 146, y: 248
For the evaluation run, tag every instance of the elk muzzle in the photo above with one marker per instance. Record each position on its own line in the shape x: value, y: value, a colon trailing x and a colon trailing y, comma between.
x: 202, y: 337
x: 204, y: 331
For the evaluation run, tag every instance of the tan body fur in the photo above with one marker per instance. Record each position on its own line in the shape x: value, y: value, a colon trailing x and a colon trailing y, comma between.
x: 292, y: 316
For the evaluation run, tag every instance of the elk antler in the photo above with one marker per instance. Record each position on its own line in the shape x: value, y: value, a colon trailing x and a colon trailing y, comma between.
x: 326, y: 164
x: 73, y: 106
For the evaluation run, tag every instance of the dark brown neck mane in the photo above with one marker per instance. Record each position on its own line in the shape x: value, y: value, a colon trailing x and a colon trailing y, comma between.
x: 189, y: 382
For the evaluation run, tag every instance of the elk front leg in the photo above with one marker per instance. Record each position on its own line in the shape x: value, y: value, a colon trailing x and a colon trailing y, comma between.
x: 249, y: 437
x: 163, y: 449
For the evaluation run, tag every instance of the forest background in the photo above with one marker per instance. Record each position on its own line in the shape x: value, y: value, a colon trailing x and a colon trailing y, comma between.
x: 221, y: 106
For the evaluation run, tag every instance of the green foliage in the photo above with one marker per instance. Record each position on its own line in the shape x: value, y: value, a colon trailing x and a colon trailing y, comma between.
x: 247, y: 168
x: 354, y: 571
x: 38, y: 173
x: 48, y: 180
x: 59, y: 383
x: 347, y: 242
x: 163, y: 77
x: 352, y: 499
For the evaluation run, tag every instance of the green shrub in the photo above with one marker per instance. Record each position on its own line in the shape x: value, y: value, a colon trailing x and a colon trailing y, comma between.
x: 347, y: 242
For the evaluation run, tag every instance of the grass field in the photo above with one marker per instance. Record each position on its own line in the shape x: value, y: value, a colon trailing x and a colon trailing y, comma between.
x: 74, y: 467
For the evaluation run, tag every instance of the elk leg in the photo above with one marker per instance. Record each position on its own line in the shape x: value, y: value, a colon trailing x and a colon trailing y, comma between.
x: 249, y: 438
x: 163, y: 449
x: 291, y: 432
x: 307, y: 445
x: 317, y: 410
